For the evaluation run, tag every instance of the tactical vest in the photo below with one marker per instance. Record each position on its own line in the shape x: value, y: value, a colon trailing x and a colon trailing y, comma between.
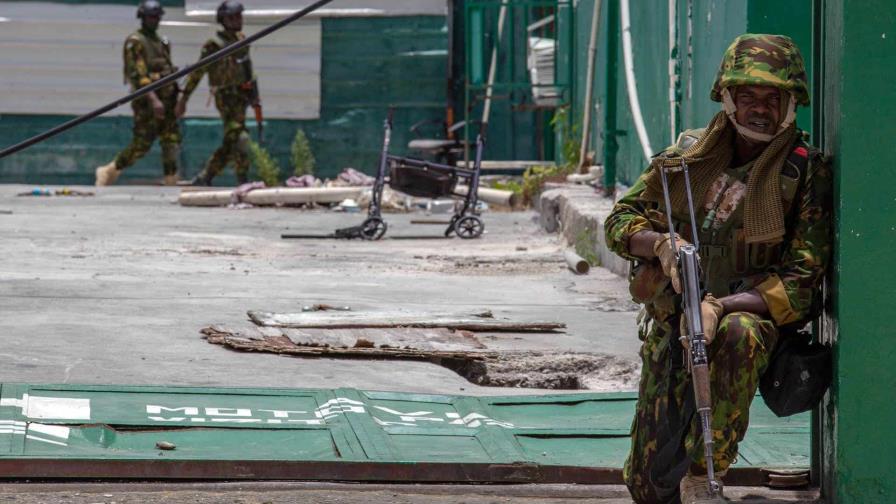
x: 235, y: 69
x: 157, y: 52
x: 727, y: 260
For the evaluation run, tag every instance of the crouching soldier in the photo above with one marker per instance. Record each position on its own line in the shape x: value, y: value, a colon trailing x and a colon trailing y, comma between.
x: 763, y: 219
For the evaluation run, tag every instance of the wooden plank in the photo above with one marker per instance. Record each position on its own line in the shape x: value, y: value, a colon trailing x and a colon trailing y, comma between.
x: 306, y: 344
x: 387, y: 319
x: 438, y: 339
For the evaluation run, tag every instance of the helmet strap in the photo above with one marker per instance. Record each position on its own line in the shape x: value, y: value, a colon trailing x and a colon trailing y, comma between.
x: 730, y: 108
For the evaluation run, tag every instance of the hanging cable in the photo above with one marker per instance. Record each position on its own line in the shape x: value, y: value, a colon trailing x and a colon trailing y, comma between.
x: 630, y: 81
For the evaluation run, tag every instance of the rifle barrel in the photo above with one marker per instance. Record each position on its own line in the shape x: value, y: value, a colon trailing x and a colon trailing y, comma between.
x: 211, y: 58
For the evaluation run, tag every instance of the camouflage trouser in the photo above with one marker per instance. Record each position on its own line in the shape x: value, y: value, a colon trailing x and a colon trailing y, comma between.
x: 738, y: 356
x: 147, y: 128
x: 231, y: 103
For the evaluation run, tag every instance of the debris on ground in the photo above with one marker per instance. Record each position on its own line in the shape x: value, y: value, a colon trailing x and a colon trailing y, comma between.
x: 303, y: 181
x: 270, y: 196
x: 372, y: 343
x: 353, y: 177
x: 65, y: 191
x: 324, y: 307
x: 575, y: 262
x: 238, y: 194
x: 347, y: 205
x: 388, y: 319
x: 459, y: 351
x: 449, y: 340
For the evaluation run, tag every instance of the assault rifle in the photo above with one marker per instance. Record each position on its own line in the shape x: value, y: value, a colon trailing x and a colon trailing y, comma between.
x: 254, y: 100
x: 250, y: 86
x: 694, y: 341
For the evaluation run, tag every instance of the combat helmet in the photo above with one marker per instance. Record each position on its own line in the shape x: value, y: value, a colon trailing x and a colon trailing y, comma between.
x: 227, y: 8
x: 150, y: 8
x: 763, y: 60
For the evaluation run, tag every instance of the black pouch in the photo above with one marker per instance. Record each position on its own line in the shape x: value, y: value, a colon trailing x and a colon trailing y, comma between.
x: 798, y: 375
x: 422, y: 182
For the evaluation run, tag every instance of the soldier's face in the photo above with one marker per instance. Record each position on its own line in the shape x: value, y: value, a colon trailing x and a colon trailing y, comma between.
x: 758, y: 108
x: 233, y: 22
x: 151, y: 22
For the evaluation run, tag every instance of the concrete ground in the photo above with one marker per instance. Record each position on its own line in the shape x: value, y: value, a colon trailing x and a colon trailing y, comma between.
x: 113, y: 289
x: 341, y: 493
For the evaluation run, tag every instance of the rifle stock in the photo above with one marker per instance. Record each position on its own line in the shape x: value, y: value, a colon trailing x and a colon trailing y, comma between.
x: 251, y: 88
x: 259, y: 120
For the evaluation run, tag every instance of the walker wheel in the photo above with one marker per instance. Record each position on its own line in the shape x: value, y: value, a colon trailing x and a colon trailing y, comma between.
x: 373, y: 228
x: 469, y: 226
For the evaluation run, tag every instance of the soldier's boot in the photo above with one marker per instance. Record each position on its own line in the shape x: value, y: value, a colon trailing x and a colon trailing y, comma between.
x: 695, y: 490
x: 201, y: 179
x: 107, y: 174
x: 170, y: 180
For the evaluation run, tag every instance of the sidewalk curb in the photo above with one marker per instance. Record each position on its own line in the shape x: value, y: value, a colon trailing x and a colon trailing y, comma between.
x: 577, y: 212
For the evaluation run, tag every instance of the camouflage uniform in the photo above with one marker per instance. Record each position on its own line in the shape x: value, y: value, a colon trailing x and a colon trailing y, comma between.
x: 787, y: 275
x: 228, y: 78
x: 147, y: 58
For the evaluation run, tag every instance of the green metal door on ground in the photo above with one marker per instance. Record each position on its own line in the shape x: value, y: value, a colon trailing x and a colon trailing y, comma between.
x: 71, y: 431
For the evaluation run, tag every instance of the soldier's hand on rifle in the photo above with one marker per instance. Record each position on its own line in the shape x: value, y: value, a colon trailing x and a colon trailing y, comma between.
x: 711, y: 311
x: 663, y: 250
x: 181, y: 108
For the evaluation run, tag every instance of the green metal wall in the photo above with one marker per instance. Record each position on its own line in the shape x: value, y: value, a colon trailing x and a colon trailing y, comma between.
x: 368, y: 66
x: 713, y: 26
x: 858, y: 75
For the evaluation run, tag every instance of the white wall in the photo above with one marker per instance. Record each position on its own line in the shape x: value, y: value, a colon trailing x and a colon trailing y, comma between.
x: 265, y: 8
x: 67, y: 59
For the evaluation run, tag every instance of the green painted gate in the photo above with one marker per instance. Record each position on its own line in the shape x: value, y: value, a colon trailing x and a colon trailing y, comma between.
x: 69, y: 431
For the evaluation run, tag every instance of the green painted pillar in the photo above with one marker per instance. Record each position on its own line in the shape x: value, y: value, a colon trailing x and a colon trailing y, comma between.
x: 786, y: 17
x: 859, y: 58
x: 612, y: 83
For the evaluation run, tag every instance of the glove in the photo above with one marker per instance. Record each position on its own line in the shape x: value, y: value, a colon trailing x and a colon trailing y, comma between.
x: 711, y: 311
x: 663, y: 251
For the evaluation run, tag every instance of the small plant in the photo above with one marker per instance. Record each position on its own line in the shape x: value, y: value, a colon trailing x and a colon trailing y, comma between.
x: 586, y: 246
x: 266, y: 167
x: 570, y: 143
x: 535, y: 177
x: 301, y: 156
x: 508, y: 185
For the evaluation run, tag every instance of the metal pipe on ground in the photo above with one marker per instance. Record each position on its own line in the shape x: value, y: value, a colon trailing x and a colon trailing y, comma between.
x: 575, y: 262
x: 493, y: 196
x: 272, y: 196
x: 594, y: 173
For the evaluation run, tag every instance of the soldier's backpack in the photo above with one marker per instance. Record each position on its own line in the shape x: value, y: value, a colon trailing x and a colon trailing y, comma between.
x: 798, y: 374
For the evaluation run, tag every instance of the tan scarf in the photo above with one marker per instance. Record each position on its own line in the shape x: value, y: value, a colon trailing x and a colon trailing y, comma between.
x: 708, y: 158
